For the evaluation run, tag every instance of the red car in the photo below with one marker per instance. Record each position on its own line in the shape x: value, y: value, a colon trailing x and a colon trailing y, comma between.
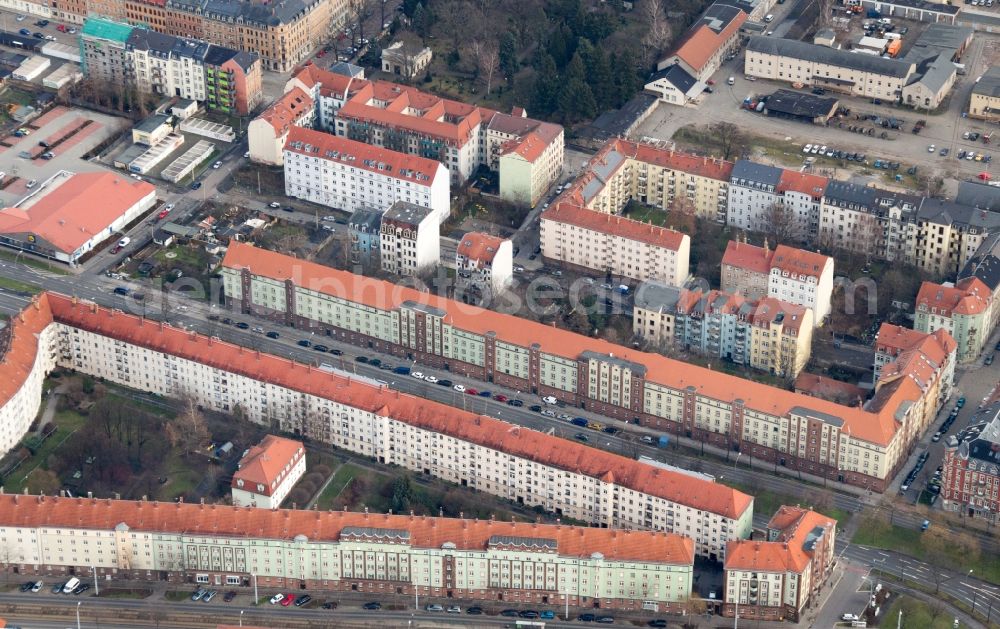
x: 163, y: 214
x: 471, y: 392
x: 320, y: 54
x: 288, y: 600
x: 499, y: 397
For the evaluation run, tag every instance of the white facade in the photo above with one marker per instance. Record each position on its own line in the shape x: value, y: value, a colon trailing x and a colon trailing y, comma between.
x: 246, y: 494
x: 488, y: 265
x: 172, y: 75
x: 21, y: 409
x: 349, y: 175
x: 811, y: 291
x: 374, y: 433
x: 409, y: 247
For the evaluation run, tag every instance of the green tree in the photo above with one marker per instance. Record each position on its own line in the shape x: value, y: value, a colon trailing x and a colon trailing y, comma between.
x: 576, y: 101
x: 546, y: 87
x: 627, y: 78
x: 402, y: 491
x: 575, y: 70
x: 420, y: 21
x: 602, y: 80
x: 508, y: 55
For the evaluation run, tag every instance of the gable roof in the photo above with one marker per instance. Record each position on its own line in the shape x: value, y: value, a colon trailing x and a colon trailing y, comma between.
x: 742, y: 255
x: 382, y: 401
x: 779, y: 46
x: 287, y: 111
x: 989, y: 84
x: 796, y: 532
x: 69, y: 213
x: 263, y: 463
x: 709, y: 34
x: 330, y: 526
x: 333, y: 148
x: 479, y: 246
x: 616, y: 226
x: 943, y: 301
x: 756, y: 172
x: 804, y: 183
x: 800, y: 261
x: 875, y: 427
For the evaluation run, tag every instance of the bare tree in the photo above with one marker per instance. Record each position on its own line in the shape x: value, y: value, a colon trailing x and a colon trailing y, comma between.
x: 780, y: 224
x: 489, y: 63
x: 730, y: 137
x: 188, y: 431
x: 658, y: 34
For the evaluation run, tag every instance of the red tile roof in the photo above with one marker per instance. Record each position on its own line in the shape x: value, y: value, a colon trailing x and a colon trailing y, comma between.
x: 788, y: 552
x: 285, y: 524
x: 418, y: 412
x: 619, y: 226
x: 479, y: 247
x: 702, y: 42
x: 894, y: 339
x: 73, y: 211
x: 287, y: 111
x: 326, y: 146
x: 767, y: 310
x: 804, y: 183
x: 971, y: 299
x: 799, y: 261
x: 264, y: 463
x: 748, y: 257
x: 874, y: 427
x: 329, y: 82
x: 16, y: 363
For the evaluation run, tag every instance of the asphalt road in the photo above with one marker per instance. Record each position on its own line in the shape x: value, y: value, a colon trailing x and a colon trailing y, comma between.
x: 193, y: 315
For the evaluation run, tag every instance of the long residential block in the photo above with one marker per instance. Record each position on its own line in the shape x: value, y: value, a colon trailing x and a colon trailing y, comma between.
x: 861, y: 446
x: 614, y: 244
x: 527, y: 466
x: 457, y: 558
x: 349, y: 175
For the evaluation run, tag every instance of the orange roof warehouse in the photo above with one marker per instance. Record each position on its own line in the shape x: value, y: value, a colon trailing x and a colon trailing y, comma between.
x: 70, y: 214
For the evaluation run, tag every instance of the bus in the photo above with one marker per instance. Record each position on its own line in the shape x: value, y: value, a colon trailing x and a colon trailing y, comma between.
x: 71, y: 585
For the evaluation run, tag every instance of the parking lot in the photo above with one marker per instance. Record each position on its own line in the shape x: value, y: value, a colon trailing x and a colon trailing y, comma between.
x: 944, y: 128
x: 57, y: 123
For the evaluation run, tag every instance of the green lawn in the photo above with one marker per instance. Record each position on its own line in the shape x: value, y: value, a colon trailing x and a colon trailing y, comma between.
x: 12, y: 256
x: 20, y: 287
x: 181, y: 479
x: 767, y: 502
x: 67, y: 423
x: 648, y: 214
x: 177, y: 596
x: 918, y: 615
x: 337, y: 484
x: 125, y: 593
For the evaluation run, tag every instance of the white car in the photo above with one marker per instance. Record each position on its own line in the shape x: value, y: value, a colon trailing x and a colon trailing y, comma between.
x: 431, y: 379
x: 246, y: 155
x: 20, y: 18
x: 434, y: 608
x: 807, y: 148
x: 548, y: 399
x: 217, y: 165
x: 454, y: 609
x: 822, y: 150
x: 931, y: 149
x: 330, y: 217
x: 50, y: 37
x: 124, y: 241
x: 169, y: 207
x: 37, y: 586
x: 849, y: 617
x: 548, y: 413
x: 32, y: 184
x: 273, y: 204
x: 814, y: 149
x: 417, y: 375
x: 460, y: 388
x: 277, y: 598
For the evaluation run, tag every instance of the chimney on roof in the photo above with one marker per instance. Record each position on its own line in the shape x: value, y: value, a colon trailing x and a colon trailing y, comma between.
x: 118, y: 496
x: 144, y: 498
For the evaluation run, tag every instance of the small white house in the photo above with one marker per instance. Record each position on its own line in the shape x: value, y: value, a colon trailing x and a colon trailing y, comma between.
x: 484, y: 261
x: 267, y: 472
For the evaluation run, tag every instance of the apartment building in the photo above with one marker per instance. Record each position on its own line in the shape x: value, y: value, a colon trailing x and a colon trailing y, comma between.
x: 409, y: 239
x: 267, y: 134
x: 776, y: 579
x: 485, y: 262
x: 527, y: 153
x: 364, y: 230
x: 609, y: 244
x: 753, y: 195
x: 746, y: 269
x: 104, y: 53
x: 348, y: 175
x: 267, y: 472
x: 792, y: 275
x: 935, y: 235
x: 624, y: 171
x: 381, y: 555
x: 223, y: 79
x: 763, y: 197
x: 896, y: 348
x: 765, y: 333
x: 26, y: 358
x: 280, y: 34
x: 861, y: 446
x: 713, y: 36
x: 984, y: 101
x: 970, y: 481
x: 963, y: 310
x: 794, y: 61
x: 526, y: 466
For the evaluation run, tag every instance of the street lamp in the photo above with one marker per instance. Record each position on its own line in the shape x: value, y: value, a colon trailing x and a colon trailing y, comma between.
x: 241, y: 617
x: 78, y: 603
x: 256, y: 597
x: 737, y: 462
x: 97, y: 589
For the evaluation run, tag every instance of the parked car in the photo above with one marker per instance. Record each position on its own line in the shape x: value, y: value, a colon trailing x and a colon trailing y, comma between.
x: 230, y: 595
x: 272, y: 335
x: 454, y: 609
x: 303, y: 600
x: 305, y: 343
x: 320, y: 348
x: 207, y: 598
x: 277, y: 598
x: 80, y: 589
x: 434, y: 608
x: 474, y: 611
x: 372, y: 606
x: 27, y: 586
x: 515, y: 403
x: 287, y: 600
